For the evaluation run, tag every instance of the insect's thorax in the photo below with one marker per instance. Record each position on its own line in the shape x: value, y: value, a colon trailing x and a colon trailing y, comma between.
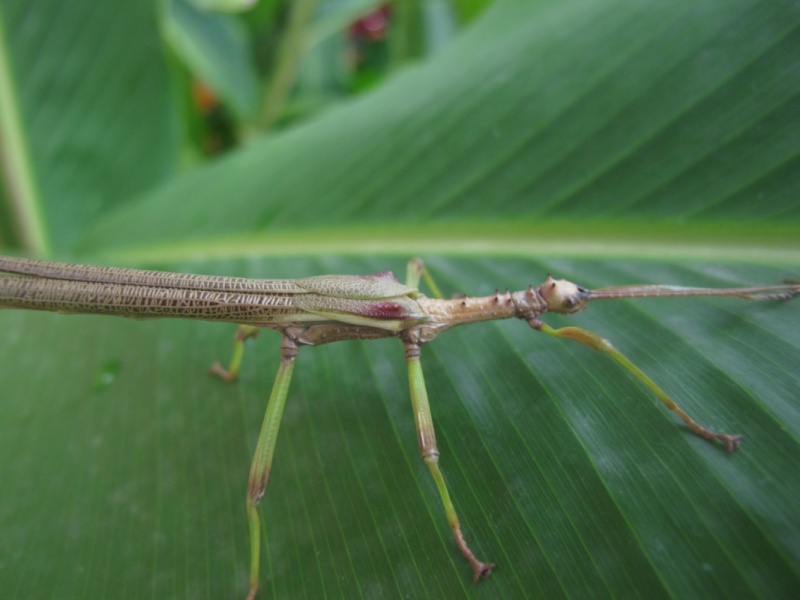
x: 525, y: 304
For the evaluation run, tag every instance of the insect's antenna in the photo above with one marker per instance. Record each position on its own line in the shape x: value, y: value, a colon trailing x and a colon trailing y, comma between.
x: 773, y: 292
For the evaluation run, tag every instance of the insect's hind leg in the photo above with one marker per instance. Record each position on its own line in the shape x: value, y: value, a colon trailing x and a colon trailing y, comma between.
x: 430, y: 454
x: 594, y: 341
x: 232, y: 372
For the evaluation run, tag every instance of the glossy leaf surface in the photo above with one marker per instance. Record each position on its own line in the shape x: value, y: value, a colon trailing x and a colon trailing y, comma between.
x: 606, y: 142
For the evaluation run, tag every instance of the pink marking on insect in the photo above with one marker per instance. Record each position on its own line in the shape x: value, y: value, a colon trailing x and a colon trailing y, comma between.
x: 386, y: 310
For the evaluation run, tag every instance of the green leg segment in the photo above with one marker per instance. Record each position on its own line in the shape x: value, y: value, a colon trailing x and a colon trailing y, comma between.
x: 594, y: 341
x: 416, y: 270
x: 242, y: 333
x: 262, y: 459
x: 430, y: 454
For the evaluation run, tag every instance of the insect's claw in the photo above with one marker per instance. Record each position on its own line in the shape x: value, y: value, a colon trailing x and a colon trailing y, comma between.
x: 482, y: 571
x: 221, y: 372
x: 732, y: 442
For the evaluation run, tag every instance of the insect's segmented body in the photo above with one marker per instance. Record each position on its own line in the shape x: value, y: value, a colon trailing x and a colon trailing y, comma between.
x: 375, y: 301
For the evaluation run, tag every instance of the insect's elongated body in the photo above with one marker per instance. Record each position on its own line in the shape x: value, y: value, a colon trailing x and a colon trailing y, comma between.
x: 330, y: 308
x: 375, y: 301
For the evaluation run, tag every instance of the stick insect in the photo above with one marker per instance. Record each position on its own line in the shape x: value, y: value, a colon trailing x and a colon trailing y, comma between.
x: 333, y: 308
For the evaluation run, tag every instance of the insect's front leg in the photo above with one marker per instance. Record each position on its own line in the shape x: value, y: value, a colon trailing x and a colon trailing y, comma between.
x: 594, y: 341
x: 430, y: 454
x: 262, y: 458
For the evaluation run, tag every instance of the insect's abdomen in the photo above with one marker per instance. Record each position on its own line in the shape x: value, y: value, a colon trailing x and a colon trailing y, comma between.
x: 142, y: 301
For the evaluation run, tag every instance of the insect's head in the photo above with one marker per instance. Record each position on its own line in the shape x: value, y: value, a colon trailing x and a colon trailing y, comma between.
x: 563, y: 296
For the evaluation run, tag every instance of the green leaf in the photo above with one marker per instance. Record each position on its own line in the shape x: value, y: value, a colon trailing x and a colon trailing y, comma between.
x: 216, y: 49
x: 125, y: 457
x: 607, y: 142
x: 611, y: 112
x: 86, y: 118
x: 224, y: 5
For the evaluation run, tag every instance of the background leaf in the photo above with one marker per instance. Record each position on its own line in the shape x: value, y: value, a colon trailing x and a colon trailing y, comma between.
x: 217, y: 49
x: 605, y: 142
x: 565, y: 472
x: 612, y: 112
x: 94, y: 113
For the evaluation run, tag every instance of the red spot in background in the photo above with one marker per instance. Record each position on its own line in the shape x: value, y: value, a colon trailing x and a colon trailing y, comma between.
x: 216, y: 131
x: 204, y: 97
x: 374, y: 25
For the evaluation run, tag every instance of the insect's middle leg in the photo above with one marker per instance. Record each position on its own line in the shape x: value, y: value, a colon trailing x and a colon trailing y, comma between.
x: 594, y: 341
x: 430, y: 454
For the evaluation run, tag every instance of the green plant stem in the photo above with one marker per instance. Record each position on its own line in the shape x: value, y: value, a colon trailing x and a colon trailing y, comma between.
x: 289, y: 58
x: 23, y: 195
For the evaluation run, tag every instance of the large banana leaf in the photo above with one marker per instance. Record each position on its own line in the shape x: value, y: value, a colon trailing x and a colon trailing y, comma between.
x: 606, y: 142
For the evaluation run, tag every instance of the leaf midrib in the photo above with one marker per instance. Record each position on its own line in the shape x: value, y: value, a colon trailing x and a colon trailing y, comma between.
x: 761, y: 243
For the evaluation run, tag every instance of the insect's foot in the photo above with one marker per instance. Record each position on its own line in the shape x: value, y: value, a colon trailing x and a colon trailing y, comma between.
x: 482, y: 570
x: 217, y: 370
x: 251, y: 593
x: 732, y: 442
